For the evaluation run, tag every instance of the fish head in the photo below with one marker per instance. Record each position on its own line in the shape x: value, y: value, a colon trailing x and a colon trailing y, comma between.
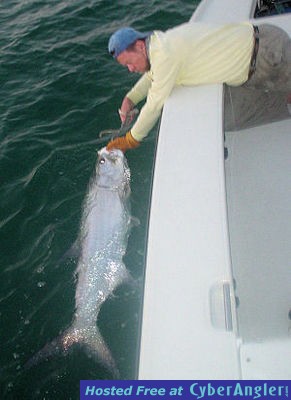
x: 112, y: 170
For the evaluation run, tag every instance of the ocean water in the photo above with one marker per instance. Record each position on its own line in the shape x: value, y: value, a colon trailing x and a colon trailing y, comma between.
x: 59, y: 89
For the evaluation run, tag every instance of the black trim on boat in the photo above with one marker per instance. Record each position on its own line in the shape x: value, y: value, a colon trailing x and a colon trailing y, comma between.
x: 266, y: 8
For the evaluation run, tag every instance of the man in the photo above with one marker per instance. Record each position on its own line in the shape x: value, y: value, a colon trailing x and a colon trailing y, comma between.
x: 197, y: 54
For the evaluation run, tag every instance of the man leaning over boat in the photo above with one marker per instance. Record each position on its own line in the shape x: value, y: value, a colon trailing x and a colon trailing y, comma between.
x: 239, y: 55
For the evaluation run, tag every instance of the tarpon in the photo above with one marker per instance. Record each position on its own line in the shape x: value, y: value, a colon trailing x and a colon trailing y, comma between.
x: 103, y: 239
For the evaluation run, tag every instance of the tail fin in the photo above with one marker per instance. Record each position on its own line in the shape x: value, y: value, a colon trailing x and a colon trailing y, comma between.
x: 90, y: 337
x: 50, y: 350
x: 97, y: 349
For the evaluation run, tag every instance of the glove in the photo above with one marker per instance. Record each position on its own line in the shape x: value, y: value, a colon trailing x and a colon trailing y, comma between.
x: 123, y: 143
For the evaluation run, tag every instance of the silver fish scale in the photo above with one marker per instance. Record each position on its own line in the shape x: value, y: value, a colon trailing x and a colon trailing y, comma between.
x: 103, y: 239
x: 105, y: 230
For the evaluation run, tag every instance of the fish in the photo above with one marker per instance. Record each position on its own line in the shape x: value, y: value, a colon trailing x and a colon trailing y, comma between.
x: 103, y: 236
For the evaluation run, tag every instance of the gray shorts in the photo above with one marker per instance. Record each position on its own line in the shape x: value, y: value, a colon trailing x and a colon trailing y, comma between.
x: 273, y: 64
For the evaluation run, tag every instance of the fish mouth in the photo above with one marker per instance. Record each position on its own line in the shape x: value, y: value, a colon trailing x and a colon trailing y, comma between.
x: 111, y: 155
x: 116, y: 158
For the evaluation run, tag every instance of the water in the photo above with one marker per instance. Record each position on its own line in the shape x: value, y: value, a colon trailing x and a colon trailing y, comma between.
x: 59, y: 89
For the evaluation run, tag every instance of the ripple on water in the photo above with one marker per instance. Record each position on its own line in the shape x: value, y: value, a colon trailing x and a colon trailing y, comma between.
x: 59, y: 89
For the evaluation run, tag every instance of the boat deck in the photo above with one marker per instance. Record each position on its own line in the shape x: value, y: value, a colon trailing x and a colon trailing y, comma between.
x: 217, y: 284
x: 258, y: 183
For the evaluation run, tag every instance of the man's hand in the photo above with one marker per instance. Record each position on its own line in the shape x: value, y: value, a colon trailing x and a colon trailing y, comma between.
x: 126, y: 106
x: 123, y: 143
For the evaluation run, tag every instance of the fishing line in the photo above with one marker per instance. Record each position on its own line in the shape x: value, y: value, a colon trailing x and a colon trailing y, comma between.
x: 124, y: 128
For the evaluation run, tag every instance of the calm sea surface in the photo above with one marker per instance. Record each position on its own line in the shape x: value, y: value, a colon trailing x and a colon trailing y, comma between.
x: 59, y: 89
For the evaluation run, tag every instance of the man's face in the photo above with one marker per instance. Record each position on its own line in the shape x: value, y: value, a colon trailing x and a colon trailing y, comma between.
x: 135, y: 58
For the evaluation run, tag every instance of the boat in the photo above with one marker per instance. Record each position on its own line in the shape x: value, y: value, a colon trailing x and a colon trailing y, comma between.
x: 217, y: 292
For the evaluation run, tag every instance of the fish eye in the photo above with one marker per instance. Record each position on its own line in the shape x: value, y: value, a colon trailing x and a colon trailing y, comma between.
x: 102, y: 161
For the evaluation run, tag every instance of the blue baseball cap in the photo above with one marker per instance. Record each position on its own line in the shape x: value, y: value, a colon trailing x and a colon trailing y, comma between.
x: 123, y: 38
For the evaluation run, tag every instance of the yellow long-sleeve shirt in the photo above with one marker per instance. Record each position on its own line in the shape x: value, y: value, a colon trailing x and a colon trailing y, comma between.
x: 190, y: 54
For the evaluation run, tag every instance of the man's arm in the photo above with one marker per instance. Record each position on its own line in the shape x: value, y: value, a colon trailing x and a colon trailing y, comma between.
x: 135, y: 95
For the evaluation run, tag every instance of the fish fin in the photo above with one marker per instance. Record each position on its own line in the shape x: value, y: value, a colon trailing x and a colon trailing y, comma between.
x: 130, y: 280
x: 125, y: 277
x: 72, y: 253
x: 50, y: 350
x: 92, y: 340
x: 98, y: 350
x: 134, y: 222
